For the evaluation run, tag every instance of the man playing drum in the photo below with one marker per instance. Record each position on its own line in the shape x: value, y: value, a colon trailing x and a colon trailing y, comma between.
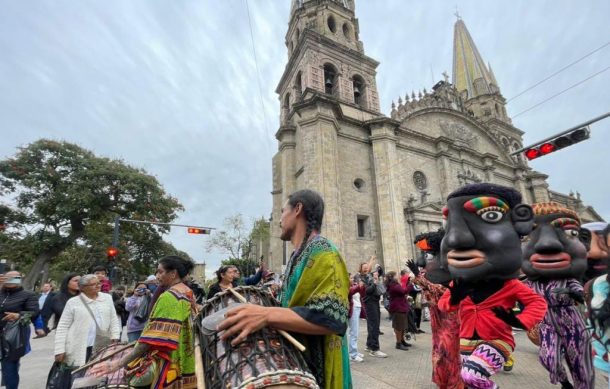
x: 313, y: 296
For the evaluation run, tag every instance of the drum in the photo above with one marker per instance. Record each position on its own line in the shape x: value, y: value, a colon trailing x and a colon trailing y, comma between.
x: 116, y: 380
x: 264, y: 359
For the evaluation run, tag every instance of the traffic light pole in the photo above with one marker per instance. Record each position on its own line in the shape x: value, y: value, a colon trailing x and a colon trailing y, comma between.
x: 585, y: 124
x: 160, y: 224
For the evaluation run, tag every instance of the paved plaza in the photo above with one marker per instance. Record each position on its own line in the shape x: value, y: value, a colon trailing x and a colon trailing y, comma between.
x: 402, y: 369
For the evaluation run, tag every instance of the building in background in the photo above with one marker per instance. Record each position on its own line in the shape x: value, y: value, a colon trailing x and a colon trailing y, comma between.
x: 384, y: 179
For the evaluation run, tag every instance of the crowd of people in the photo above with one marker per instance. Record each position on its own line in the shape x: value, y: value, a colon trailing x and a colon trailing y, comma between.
x: 497, y: 266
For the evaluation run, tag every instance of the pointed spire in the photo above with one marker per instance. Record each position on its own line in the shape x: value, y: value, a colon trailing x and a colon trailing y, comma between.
x: 393, y: 105
x: 419, y: 95
x: 406, y: 97
x: 412, y: 95
x: 493, y: 76
x: 468, y: 65
x: 399, y: 101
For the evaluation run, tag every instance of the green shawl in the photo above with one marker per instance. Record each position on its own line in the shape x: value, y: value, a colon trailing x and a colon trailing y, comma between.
x: 317, y: 280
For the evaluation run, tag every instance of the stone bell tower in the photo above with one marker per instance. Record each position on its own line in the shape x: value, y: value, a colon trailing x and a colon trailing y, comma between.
x: 330, y: 127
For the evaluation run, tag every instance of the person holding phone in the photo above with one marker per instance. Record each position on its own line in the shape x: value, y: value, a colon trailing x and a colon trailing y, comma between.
x: 15, y: 303
x: 134, y: 326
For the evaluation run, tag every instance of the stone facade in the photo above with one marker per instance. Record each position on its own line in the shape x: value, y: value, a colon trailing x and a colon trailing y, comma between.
x: 384, y: 179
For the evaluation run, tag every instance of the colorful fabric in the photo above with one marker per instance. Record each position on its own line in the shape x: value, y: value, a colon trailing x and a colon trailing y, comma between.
x: 445, y: 326
x: 485, y: 203
x: 552, y: 208
x: 481, y: 318
x: 600, y: 290
x: 316, y: 287
x: 480, y: 360
x: 563, y: 335
x: 169, y: 331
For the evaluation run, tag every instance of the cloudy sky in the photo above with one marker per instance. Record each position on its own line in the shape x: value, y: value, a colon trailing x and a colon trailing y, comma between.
x: 171, y: 86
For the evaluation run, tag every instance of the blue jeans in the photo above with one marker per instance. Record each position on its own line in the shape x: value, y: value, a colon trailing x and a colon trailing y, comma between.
x: 10, y: 374
x: 133, y: 336
x: 354, y: 326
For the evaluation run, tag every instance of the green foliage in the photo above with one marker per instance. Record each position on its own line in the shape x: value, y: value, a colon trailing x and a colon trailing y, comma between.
x: 63, y: 203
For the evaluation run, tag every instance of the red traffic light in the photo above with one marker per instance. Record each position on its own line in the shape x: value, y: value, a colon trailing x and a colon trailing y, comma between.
x: 197, y: 230
x: 112, y: 252
x: 532, y: 154
x: 547, y: 148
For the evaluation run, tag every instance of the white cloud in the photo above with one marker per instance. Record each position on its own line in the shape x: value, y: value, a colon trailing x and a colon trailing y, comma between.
x: 172, y: 87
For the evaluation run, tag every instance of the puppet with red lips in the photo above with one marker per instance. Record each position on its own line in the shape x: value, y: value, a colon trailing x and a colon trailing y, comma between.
x: 598, y: 254
x: 482, y: 251
x: 554, y: 259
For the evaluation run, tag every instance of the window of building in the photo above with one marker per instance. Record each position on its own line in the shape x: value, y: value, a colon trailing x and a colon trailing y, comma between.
x: 358, y: 87
x: 330, y: 79
x: 363, y: 227
x: 347, y: 32
x: 287, y: 101
x: 331, y: 24
x: 359, y: 184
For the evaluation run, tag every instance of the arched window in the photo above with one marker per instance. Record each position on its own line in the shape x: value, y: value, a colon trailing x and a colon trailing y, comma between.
x: 358, y: 87
x: 330, y: 79
x: 298, y: 86
x: 346, y: 32
x: 498, y: 109
x: 332, y: 26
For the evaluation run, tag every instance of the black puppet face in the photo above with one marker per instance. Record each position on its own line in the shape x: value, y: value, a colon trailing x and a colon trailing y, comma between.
x: 554, y: 249
x: 483, y: 236
x: 599, y: 254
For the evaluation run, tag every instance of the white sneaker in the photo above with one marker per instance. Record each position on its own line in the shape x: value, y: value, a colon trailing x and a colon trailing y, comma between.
x: 360, y: 355
x: 356, y: 359
x: 378, y: 354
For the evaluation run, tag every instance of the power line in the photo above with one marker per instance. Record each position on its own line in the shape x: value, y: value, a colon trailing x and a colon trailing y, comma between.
x: 561, y: 92
x: 258, y: 76
x: 559, y: 71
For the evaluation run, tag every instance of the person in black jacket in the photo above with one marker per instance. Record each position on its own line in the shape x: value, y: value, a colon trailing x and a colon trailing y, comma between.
x: 55, y: 305
x: 226, y: 274
x: 371, y: 306
x: 15, y: 303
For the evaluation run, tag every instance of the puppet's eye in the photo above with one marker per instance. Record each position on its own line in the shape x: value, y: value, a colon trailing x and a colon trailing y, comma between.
x: 571, y: 233
x: 491, y: 216
x: 429, y: 257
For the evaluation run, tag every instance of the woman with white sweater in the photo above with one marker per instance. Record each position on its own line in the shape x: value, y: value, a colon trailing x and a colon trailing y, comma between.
x: 80, y: 321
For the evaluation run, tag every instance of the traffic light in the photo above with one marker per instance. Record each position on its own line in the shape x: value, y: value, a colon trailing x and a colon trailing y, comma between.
x: 198, y: 230
x: 111, y: 253
x: 558, y: 143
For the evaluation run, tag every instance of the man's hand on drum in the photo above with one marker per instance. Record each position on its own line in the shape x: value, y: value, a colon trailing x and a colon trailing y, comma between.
x: 105, y: 368
x: 242, y: 321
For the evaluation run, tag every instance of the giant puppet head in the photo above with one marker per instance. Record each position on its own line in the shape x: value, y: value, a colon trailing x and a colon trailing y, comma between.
x: 557, y: 247
x: 429, y: 244
x: 598, y: 255
x: 484, y: 224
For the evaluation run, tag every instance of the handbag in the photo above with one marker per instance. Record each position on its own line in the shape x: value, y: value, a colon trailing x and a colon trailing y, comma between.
x: 102, y: 338
x: 14, y: 339
x: 142, y: 312
x: 60, y: 376
x: 143, y: 371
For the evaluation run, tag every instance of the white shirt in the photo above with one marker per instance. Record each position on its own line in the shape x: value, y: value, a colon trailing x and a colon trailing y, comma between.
x: 356, y: 300
x: 42, y: 299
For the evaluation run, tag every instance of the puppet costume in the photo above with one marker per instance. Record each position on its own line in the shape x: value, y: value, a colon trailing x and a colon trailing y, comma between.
x: 481, y: 250
x: 486, y: 341
x: 445, y: 325
x: 554, y: 259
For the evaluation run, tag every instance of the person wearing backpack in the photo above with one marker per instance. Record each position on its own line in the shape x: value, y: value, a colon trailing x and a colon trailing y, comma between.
x: 15, y: 303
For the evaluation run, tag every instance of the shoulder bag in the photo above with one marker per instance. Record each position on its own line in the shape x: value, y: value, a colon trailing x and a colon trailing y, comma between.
x: 102, y: 338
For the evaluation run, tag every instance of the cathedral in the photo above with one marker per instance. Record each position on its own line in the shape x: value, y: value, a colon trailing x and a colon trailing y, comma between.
x: 385, y: 179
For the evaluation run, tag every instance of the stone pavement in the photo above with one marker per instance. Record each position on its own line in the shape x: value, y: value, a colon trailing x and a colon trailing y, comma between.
x: 402, y: 369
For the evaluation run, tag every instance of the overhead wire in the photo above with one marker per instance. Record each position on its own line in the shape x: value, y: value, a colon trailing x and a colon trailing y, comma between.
x: 258, y: 79
x: 559, y: 71
x: 560, y: 92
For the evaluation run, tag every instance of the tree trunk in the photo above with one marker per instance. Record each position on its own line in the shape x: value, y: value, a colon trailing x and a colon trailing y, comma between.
x: 37, y: 267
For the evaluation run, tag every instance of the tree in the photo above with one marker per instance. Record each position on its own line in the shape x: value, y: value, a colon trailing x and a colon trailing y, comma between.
x: 232, y: 239
x: 63, y: 196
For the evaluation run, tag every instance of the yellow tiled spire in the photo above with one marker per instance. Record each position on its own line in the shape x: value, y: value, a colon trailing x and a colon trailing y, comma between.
x: 469, y: 70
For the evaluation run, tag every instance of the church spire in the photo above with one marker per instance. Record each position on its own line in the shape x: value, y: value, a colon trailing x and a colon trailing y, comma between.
x: 469, y: 70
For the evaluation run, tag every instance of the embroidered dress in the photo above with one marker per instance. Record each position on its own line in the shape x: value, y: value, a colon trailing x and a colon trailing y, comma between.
x: 168, y: 330
x: 445, y: 337
x: 563, y: 335
x: 316, y: 287
x: 600, y: 290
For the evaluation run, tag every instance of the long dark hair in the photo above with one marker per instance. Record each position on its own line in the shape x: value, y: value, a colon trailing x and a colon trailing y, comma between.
x: 63, y: 288
x: 389, y: 278
x: 182, y: 266
x: 313, y: 210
